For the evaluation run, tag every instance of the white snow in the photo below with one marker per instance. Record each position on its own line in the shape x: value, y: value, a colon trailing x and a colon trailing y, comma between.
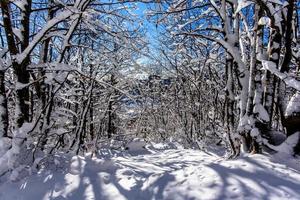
x: 176, y: 174
x: 21, y: 4
x: 293, y: 106
x: 286, y: 147
x: 242, y: 4
x: 137, y: 146
x: 289, y: 81
x: 262, y: 113
x: 264, y: 21
x: 18, y: 33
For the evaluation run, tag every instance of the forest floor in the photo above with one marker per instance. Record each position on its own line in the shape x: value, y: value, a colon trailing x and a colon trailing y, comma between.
x: 174, y: 174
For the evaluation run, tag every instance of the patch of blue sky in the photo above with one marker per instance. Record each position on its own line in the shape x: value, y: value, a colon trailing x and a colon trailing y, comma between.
x: 152, y: 31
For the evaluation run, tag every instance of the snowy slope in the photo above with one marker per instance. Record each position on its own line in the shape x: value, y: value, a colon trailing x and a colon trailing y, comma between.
x: 174, y: 174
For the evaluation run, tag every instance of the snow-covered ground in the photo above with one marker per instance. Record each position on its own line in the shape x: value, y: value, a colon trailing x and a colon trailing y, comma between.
x: 174, y: 174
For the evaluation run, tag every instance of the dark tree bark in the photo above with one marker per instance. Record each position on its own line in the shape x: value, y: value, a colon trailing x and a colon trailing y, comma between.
x: 3, y: 107
x: 20, y: 69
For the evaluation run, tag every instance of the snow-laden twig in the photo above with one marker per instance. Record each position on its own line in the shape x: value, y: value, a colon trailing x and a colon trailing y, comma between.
x: 286, y: 78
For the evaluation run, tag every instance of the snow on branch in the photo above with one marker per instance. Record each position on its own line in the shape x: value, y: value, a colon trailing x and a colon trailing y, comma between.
x: 287, y: 146
x: 39, y: 36
x: 288, y: 80
x: 242, y: 4
x: 48, y: 26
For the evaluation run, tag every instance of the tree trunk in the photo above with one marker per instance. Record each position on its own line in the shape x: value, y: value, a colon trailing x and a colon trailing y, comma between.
x: 3, y: 107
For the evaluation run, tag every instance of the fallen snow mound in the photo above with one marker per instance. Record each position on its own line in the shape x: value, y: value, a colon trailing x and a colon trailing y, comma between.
x: 175, y: 174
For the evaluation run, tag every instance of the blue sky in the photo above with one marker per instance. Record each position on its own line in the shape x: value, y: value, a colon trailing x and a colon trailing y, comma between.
x: 152, y: 30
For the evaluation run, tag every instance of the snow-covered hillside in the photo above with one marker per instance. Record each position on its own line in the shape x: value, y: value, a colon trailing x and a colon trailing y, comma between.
x: 174, y: 174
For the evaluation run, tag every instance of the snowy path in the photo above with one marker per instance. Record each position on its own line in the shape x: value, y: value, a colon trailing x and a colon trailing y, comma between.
x: 168, y: 174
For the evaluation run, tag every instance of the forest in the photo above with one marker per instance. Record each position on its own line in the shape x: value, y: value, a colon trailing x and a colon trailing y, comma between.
x: 210, y: 77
